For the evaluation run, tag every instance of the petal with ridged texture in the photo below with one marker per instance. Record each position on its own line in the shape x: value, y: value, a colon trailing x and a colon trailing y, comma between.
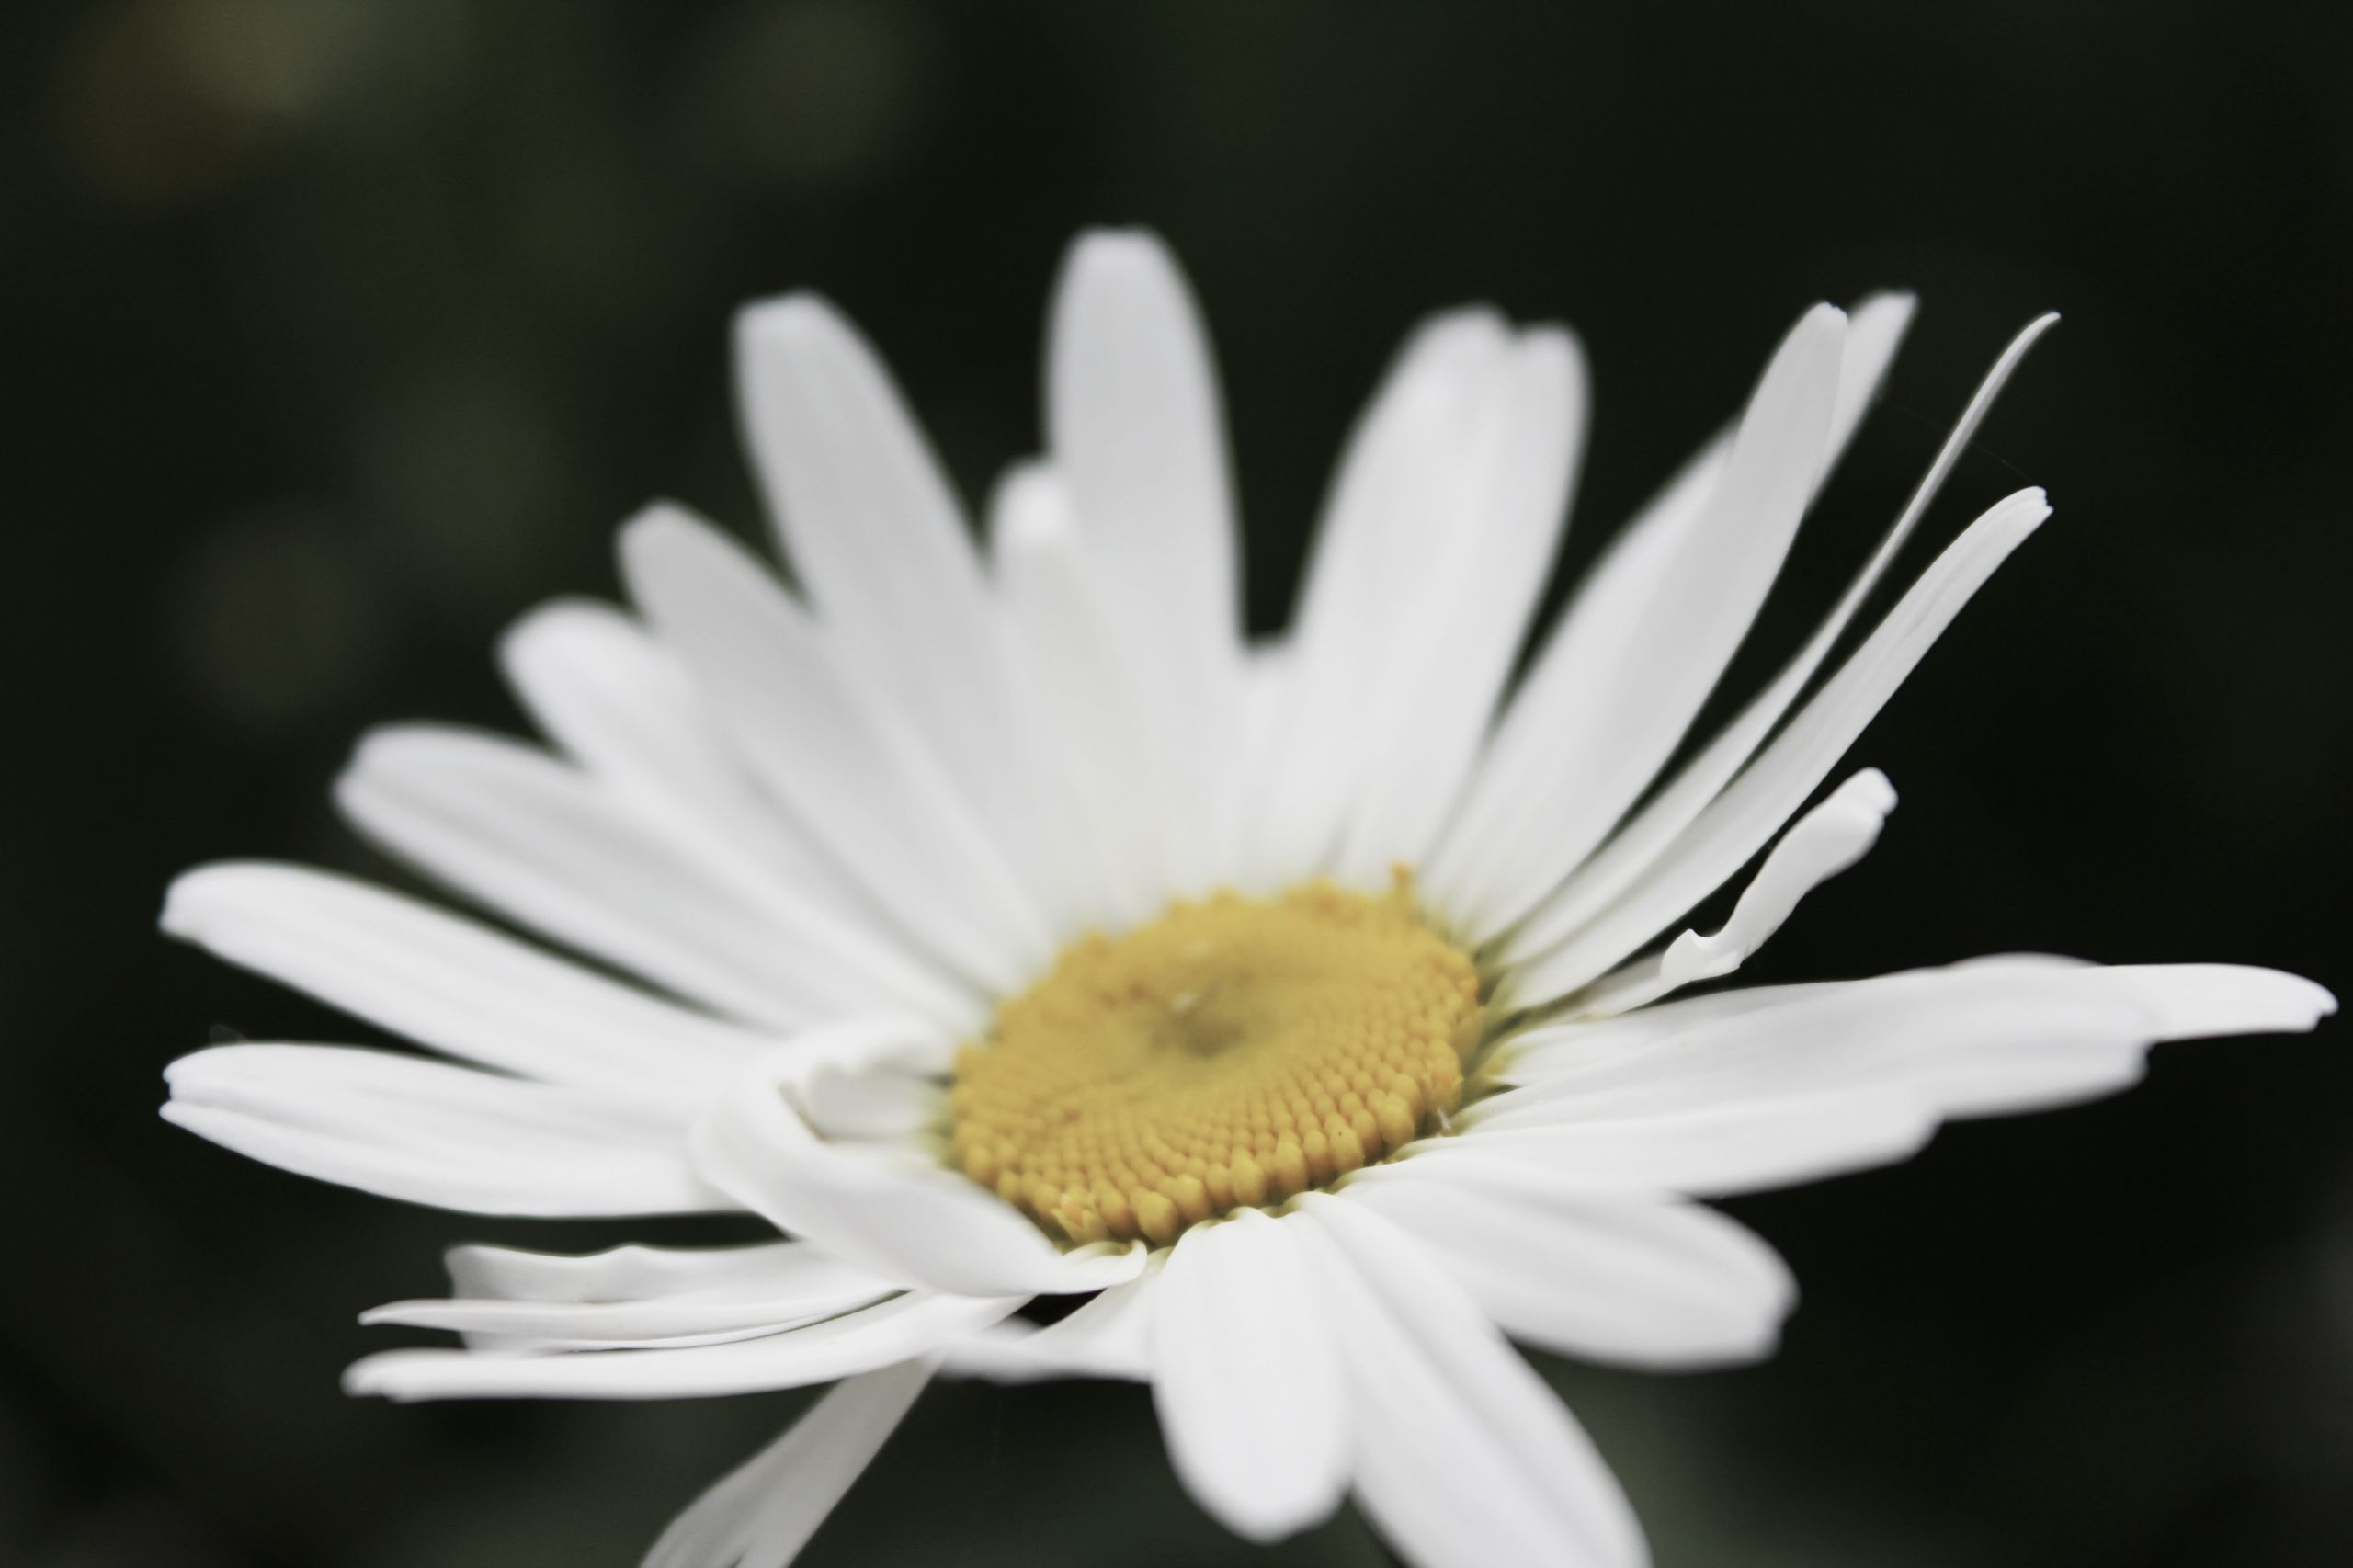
x: 1249, y: 1394
x: 455, y: 985
x: 1628, y: 1277
x: 1464, y: 1457
x: 537, y: 840
x: 821, y: 739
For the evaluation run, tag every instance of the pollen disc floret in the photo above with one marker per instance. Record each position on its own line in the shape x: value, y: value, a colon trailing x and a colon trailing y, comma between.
x: 1231, y: 1053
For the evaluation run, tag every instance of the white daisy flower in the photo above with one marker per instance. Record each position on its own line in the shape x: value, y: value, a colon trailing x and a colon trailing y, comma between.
x: 1003, y: 924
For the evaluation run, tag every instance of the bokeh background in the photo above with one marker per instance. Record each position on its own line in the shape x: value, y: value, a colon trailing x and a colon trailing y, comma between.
x: 338, y: 332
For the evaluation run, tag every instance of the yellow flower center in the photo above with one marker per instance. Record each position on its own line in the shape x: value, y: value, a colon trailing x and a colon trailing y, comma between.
x: 1231, y: 1053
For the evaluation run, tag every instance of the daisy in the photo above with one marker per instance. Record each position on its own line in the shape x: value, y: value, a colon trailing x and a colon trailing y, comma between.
x: 1001, y: 924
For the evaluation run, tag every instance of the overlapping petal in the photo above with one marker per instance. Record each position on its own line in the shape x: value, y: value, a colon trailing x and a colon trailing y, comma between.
x: 1552, y: 958
x: 1996, y: 1036
x: 1620, y: 1276
x: 843, y: 760
x: 1658, y: 822
x: 1614, y: 689
x: 1461, y: 1454
x: 603, y: 688
x: 640, y: 1297
x: 764, y: 1513
x: 455, y: 985
x: 898, y: 1329
x: 899, y: 1213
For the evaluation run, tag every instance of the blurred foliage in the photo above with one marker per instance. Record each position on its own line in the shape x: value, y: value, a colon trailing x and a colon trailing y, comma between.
x: 339, y: 331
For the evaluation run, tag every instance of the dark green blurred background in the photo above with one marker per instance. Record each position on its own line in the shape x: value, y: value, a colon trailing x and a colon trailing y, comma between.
x: 338, y: 332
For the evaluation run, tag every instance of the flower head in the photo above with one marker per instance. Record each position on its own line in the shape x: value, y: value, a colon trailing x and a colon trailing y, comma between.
x: 1004, y: 924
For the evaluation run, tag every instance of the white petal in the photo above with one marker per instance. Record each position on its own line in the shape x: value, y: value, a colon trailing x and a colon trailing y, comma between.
x: 865, y: 515
x: 1249, y: 1394
x: 2194, y: 1001
x: 1825, y: 841
x: 1464, y: 1457
x: 763, y: 1514
x: 522, y: 832
x: 1554, y: 1051
x: 1705, y: 1153
x: 1638, y: 841
x: 1134, y: 428
x: 1610, y: 1276
x: 1875, y: 330
x: 882, y: 547
x: 905, y: 1217
x: 863, y: 1341
x: 1436, y: 542
x: 1738, y: 822
x: 827, y: 746
x: 428, y: 1133
x: 1997, y: 1035
x: 872, y: 1105
x: 1612, y: 692
x: 1445, y: 663
x: 452, y: 984
x: 1396, y: 489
